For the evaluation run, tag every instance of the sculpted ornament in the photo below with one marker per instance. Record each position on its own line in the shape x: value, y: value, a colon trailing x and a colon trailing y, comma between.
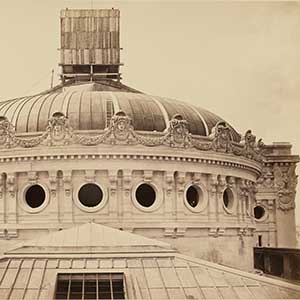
x: 266, y: 179
x: 59, y: 130
x: 121, y: 129
x: 222, y: 138
x: 7, y: 132
x: 286, y: 182
x: 121, y: 132
x: 251, y: 148
x: 178, y: 134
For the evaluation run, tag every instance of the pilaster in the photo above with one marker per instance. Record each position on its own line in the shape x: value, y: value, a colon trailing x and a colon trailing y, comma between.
x: 67, y: 196
x: 11, y: 200
x: 170, y: 204
x: 53, y: 203
x: 113, y: 193
x: 180, y: 182
x: 127, y: 183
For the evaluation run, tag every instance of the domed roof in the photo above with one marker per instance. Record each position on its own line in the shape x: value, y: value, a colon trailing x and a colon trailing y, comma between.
x: 90, y: 106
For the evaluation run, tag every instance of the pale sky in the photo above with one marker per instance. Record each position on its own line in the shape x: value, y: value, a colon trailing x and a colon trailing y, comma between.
x: 239, y: 60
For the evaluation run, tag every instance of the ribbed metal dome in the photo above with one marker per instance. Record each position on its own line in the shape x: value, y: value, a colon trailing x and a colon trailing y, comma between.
x: 90, y: 106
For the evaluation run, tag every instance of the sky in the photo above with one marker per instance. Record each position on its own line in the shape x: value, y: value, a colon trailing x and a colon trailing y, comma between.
x: 239, y: 60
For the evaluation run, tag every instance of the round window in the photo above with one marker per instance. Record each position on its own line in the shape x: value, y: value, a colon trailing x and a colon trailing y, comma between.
x: 259, y: 212
x: 193, y: 196
x: 145, y: 195
x: 90, y: 195
x: 35, y: 196
x: 228, y: 199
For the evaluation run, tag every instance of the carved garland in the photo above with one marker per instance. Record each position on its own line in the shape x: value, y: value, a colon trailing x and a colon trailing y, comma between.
x: 121, y: 131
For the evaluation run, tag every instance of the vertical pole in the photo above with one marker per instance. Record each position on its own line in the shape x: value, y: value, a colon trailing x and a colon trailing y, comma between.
x: 52, y: 75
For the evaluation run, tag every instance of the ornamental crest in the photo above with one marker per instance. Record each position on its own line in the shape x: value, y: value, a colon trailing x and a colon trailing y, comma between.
x: 251, y: 148
x: 59, y: 129
x: 121, y: 128
x: 178, y: 132
x: 7, y: 132
x: 266, y: 179
x: 222, y: 138
x: 286, y: 182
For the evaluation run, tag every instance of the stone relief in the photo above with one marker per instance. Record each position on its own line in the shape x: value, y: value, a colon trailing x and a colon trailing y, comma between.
x: 285, y: 180
x: 121, y: 131
x: 59, y: 130
x: 221, y: 137
x: 251, y: 148
x: 178, y: 134
x: 7, y: 132
x: 266, y: 180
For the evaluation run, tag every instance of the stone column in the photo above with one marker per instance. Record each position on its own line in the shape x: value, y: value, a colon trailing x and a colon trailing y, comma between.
x: 67, y: 197
x: 53, y: 201
x: 180, y: 181
x: 271, y: 223
x: 112, y: 193
x: 11, y: 200
x: 170, y: 203
x: 127, y: 185
x: 2, y: 200
x: 212, y: 197
x: 220, y: 190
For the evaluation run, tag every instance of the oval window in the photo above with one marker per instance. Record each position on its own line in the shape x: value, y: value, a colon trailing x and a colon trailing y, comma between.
x: 259, y: 212
x: 193, y: 196
x: 145, y: 195
x: 90, y: 195
x: 35, y: 196
x: 228, y: 199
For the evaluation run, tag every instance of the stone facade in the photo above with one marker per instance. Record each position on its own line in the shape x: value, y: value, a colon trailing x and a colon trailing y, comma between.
x: 119, y: 160
x: 93, y: 149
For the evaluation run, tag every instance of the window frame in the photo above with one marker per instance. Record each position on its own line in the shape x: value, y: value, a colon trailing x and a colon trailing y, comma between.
x: 111, y: 276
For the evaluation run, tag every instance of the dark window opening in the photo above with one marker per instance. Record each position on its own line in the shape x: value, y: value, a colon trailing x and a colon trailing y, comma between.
x: 228, y: 198
x: 35, y: 196
x: 77, y: 69
x: 90, y: 195
x: 145, y: 195
x: 259, y: 212
x: 90, y: 286
x: 260, y: 241
x: 193, y: 196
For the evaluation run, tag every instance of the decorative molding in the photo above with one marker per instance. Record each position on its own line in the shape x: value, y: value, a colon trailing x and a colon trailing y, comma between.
x: 2, y: 185
x: 231, y: 182
x: 11, y: 184
x: 222, y: 184
x: 20, y: 158
x: 285, y: 181
x: 221, y: 138
x: 121, y: 132
x: 169, y: 232
x: 53, y: 182
x: 59, y: 131
x: 216, y: 231
x: 169, y: 178
x: 127, y: 180
x: 90, y: 176
x: 148, y: 174
x: 266, y: 180
x: 113, y: 181
x: 180, y: 181
x: 67, y: 180
x: 32, y: 177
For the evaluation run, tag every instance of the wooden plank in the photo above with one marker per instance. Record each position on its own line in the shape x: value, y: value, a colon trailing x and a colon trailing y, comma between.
x: 86, y: 55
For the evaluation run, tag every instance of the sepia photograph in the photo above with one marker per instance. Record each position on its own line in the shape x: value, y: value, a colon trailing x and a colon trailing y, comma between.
x: 149, y: 149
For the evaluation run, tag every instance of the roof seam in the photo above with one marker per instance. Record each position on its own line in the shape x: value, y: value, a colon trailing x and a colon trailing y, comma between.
x: 202, y: 119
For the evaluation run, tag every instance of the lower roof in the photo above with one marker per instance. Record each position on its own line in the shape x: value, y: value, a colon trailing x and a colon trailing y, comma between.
x: 153, y: 275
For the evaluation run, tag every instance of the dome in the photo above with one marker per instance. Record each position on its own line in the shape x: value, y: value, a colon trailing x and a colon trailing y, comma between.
x: 90, y: 106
